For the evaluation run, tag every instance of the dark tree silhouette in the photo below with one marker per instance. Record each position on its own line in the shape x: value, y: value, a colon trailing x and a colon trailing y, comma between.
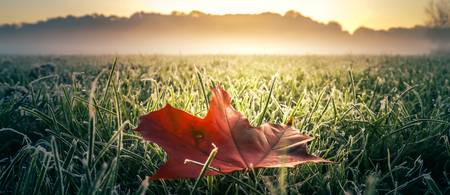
x: 438, y: 13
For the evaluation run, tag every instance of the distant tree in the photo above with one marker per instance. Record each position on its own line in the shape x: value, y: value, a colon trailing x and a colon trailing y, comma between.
x: 196, y: 13
x: 438, y: 13
x: 177, y: 13
x: 292, y: 14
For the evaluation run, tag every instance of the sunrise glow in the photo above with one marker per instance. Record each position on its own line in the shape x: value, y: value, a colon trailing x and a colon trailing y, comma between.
x: 351, y: 14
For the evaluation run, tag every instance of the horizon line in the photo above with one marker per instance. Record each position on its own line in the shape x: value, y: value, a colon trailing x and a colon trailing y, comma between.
x: 192, y: 12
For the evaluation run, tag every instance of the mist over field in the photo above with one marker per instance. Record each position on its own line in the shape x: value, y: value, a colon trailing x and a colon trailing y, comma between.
x: 201, y: 33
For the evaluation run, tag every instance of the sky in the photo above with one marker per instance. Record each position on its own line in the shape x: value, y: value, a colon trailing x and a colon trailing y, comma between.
x: 351, y: 14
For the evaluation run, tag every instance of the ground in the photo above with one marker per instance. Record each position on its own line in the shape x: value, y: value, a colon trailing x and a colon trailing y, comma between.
x: 384, y: 121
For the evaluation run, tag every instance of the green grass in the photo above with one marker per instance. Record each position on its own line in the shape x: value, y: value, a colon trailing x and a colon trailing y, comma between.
x: 384, y: 121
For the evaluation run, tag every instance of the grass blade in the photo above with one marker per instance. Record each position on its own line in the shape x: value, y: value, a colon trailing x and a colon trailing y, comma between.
x: 261, y: 116
x: 211, y: 157
x: 58, y: 165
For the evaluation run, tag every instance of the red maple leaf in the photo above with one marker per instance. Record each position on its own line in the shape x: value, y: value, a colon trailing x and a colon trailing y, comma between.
x: 241, y: 146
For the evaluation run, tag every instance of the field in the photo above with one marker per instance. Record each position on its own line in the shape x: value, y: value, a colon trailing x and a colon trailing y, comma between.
x: 384, y: 121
